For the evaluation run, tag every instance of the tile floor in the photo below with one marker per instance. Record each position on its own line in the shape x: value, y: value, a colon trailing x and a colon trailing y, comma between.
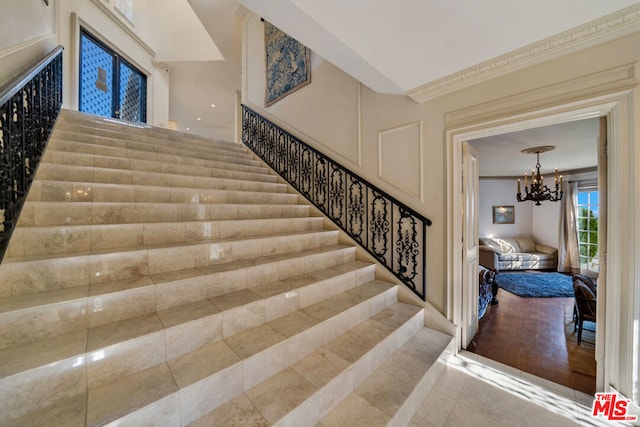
x: 529, y: 334
x: 474, y: 391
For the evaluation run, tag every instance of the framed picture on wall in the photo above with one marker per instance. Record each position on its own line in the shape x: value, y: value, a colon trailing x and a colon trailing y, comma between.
x: 504, y: 215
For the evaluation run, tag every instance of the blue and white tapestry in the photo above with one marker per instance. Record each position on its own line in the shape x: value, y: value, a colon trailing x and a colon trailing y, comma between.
x: 288, y: 64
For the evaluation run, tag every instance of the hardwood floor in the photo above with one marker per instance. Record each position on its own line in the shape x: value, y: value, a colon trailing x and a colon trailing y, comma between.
x: 529, y: 334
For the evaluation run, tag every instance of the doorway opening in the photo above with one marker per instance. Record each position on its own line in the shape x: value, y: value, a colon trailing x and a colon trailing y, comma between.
x: 532, y: 327
x: 110, y: 86
x: 468, y: 124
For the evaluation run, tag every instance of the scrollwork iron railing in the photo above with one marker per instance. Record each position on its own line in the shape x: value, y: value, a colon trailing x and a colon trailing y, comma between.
x: 29, y: 106
x: 390, y: 231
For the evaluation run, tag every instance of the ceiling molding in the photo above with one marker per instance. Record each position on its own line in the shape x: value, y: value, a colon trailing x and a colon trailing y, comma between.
x: 606, y: 28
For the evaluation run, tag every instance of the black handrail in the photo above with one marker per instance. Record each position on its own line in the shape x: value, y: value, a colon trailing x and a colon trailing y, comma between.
x: 29, y: 107
x: 390, y: 231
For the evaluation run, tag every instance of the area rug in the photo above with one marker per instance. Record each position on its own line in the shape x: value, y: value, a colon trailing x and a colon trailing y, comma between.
x: 582, y: 357
x: 536, y: 284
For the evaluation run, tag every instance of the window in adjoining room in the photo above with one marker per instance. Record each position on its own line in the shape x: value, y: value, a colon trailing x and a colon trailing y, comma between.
x: 587, y: 218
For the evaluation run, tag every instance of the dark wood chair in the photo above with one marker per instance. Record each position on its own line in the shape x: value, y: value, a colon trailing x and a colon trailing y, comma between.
x: 585, y: 302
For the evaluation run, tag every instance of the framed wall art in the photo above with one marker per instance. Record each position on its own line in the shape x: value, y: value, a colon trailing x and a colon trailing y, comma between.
x: 288, y: 65
x: 504, y: 215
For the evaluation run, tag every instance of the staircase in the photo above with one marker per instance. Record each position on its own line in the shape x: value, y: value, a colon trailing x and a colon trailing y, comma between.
x: 157, y: 278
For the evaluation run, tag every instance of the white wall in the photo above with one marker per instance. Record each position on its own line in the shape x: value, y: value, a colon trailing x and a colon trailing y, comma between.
x: 22, y: 45
x: 113, y: 30
x: 502, y: 192
x: 541, y: 222
x: 546, y: 223
x: 332, y: 113
x: 29, y: 30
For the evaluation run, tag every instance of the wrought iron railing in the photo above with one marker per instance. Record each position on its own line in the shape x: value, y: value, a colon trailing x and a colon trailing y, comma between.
x: 29, y: 106
x: 390, y: 231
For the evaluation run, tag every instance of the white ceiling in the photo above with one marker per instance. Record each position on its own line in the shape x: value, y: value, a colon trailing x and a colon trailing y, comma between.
x: 576, y: 148
x: 396, y: 46
x: 390, y: 46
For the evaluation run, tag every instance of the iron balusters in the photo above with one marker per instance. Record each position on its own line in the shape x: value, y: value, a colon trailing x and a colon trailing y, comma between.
x: 29, y: 106
x: 390, y: 231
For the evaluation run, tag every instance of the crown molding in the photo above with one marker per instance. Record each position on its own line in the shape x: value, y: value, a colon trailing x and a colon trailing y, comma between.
x: 595, y: 32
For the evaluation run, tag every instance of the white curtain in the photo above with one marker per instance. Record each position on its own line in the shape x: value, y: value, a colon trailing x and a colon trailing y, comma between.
x: 568, y: 255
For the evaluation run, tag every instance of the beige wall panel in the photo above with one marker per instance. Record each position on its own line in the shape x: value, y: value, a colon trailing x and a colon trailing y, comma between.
x: 400, y: 158
x: 21, y: 44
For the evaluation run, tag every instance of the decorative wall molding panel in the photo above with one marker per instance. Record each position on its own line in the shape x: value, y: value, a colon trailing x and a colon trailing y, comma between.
x: 400, y: 158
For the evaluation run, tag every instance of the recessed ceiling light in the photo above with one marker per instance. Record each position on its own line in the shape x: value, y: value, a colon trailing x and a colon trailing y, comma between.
x: 188, y: 129
x: 213, y: 105
x: 198, y: 118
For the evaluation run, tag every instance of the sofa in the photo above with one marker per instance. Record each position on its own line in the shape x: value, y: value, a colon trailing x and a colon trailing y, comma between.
x: 516, y: 253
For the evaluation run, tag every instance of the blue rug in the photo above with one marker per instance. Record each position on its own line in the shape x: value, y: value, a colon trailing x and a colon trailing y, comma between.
x: 536, y: 285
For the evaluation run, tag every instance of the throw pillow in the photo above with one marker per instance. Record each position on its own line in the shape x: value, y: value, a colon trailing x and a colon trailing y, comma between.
x: 526, y: 244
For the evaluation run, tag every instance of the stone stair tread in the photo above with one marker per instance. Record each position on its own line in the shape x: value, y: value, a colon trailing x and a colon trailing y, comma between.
x: 70, y: 412
x: 37, y: 301
x: 143, y: 247
x: 292, y: 387
x: 93, y: 185
x: 113, y: 400
x: 123, y: 330
x: 191, y: 368
x: 203, y: 362
x: 224, y: 222
x: 131, y: 136
x: 136, y: 177
x: 134, y: 149
x: 29, y: 356
x: 141, y: 150
x: 21, y: 302
x: 150, y: 143
x: 383, y: 393
x: 156, y: 134
x: 93, y: 238
x: 112, y: 213
x: 64, y: 158
x: 94, y: 338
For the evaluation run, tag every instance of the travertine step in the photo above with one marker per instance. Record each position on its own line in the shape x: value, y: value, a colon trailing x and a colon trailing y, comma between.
x: 130, y: 363
x: 393, y: 392
x: 69, y: 119
x: 214, y: 375
x: 77, y: 308
x: 22, y: 276
x: 92, y: 174
x: 91, y: 144
x: 158, y: 278
x: 175, y: 331
x: 61, y: 191
x: 160, y: 137
x: 82, y: 159
x: 43, y: 214
x: 61, y: 239
x: 307, y: 389
x: 95, y: 125
x: 197, y: 159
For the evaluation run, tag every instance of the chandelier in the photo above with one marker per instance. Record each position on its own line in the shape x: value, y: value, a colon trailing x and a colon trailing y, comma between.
x: 539, y: 192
